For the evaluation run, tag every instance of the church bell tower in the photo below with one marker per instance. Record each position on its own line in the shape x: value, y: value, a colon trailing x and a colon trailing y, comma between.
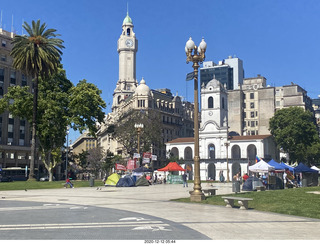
x: 127, y: 49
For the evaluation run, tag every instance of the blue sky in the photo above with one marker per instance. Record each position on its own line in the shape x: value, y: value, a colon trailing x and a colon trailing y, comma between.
x: 277, y: 39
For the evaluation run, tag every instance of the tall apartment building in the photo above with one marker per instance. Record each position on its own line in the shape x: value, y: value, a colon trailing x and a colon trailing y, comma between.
x: 15, y: 135
x: 229, y: 72
x: 252, y: 106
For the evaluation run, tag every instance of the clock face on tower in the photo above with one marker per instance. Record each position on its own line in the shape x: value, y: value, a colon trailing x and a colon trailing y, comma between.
x: 129, y: 43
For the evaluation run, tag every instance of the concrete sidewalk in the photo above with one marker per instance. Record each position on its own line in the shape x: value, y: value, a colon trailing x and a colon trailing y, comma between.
x: 216, y: 222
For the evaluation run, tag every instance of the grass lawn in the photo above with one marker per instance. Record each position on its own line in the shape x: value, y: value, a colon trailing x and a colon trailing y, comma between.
x: 21, y: 185
x: 295, y: 201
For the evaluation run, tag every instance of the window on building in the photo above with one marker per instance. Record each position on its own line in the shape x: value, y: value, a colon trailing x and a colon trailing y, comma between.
x: 1, y: 75
x: 252, y: 114
x: 252, y: 95
x: 223, y: 102
x: 252, y: 123
x: 23, y: 80
x: 128, y: 32
x: 3, y: 43
x: 251, y: 105
x: 3, y: 58
x: 13, y: 77
x: 210, y: 102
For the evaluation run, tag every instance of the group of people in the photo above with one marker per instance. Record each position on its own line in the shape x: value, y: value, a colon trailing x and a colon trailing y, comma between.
x: 155, y: 179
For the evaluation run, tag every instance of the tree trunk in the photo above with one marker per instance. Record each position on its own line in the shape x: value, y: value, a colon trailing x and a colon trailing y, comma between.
x: 34, y: 130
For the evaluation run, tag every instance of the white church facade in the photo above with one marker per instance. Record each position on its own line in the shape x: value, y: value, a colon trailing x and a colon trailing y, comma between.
x: 218, y: 150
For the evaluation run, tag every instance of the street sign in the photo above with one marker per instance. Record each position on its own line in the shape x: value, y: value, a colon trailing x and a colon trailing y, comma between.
x: 190, y: 76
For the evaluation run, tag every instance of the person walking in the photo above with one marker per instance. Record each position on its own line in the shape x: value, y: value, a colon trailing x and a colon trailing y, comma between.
x: 184, y: 178
x: 68, y: 182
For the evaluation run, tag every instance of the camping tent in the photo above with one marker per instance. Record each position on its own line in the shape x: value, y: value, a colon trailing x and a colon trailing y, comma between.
x: 142, y: 181
x: 172, y: 166
x: 309, y: 176
x: 277, y: 166
x: 112, y: 180
x: 251, y: 183
x: 261, y: 167
x: 126, y: 181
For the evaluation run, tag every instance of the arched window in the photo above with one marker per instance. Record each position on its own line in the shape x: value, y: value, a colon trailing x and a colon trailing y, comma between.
x: 174, y: 152
x: 128, y: 32
x: 119, y: 98
x: 251, y: 152
x: 235, y: 152
x: 211, y: 151
x: 188, y: 153
x: 210, y: 102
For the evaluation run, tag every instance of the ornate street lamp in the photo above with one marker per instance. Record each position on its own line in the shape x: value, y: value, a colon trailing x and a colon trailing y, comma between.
x: 196, y: 55
x: 139, y: 127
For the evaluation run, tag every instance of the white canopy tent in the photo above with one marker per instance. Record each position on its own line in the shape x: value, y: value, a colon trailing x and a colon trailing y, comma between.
x: 261, y: 167
x: 315, y: 168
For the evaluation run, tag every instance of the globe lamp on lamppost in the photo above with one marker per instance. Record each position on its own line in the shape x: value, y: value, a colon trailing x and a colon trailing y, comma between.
x: 196, y: 55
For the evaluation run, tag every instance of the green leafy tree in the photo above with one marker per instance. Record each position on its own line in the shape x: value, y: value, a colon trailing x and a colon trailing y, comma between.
x: 37, y: 54
x: 54, y: 113
x: 86, y: 107
x: 295, y: 132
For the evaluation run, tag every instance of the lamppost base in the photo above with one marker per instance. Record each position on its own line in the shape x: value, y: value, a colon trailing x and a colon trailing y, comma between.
x: 197, y: 196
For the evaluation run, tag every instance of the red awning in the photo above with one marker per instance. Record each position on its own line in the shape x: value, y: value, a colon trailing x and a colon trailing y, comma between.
x: 172, y: 166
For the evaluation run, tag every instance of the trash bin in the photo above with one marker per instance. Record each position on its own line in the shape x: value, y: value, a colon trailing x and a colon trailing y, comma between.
x: 91, y: 181
x: 236, y: 186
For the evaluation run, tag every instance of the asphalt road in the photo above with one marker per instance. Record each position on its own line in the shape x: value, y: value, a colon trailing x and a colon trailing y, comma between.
x: 22, y: 220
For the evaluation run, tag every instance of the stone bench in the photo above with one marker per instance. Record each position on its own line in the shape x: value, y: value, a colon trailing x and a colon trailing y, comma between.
x: 243, y: 202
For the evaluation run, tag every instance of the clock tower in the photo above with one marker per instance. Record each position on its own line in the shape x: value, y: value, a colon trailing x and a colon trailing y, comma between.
x: 127, y: 49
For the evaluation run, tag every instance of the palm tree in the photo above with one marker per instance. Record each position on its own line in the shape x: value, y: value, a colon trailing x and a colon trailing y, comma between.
x: 38, y: 54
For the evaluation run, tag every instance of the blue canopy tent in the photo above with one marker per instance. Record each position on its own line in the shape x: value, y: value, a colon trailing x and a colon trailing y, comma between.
x: 309, y: 176
x: 287, y: 166
x: 301, y: 168
x: 276, y: 165
x: 279, y: 169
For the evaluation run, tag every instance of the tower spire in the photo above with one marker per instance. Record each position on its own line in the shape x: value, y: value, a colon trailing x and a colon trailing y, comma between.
x: 128, y: 8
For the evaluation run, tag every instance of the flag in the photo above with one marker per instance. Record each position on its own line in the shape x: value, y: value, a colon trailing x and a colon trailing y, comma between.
x: 136, y: 155
x: 257, y: 159
x: 146, y: 160
x: 131, y: 164
x: 120, y: 167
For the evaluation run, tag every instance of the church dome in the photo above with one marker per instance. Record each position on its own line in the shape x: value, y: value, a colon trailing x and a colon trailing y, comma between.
x: 127, y: 20
x: 142, y: 89
x: 214, y: 84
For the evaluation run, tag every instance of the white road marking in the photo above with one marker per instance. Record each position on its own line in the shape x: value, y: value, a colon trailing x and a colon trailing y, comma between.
x: 149, y: 224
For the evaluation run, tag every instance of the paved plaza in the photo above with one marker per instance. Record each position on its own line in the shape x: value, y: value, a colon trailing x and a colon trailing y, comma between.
x: 206, y: 221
